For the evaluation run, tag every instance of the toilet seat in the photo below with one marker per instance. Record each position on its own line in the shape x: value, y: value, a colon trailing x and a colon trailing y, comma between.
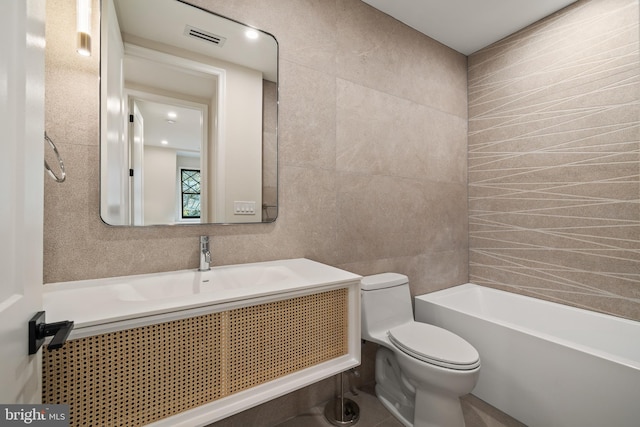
x: 434, y: 345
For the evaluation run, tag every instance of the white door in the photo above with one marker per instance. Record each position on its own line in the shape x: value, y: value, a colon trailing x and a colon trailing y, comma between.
x: 21, y: 189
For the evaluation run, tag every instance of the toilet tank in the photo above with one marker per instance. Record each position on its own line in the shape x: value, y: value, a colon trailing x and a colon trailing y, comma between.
x: 386, y: 303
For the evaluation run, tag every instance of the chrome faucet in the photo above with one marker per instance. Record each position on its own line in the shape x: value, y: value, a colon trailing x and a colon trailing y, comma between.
x: 205, y: 254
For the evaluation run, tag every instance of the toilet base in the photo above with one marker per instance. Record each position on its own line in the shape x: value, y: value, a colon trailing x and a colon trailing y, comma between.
x: 392, y: 389
x: 412, y: 405
x: 401, y: 413
x: 434, y: 409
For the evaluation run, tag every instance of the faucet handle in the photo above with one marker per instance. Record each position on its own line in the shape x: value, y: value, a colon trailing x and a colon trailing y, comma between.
x: 204, y: 243
x: 205, y: 254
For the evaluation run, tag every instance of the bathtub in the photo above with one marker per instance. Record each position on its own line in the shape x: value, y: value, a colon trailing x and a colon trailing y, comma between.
x: 545, y: 364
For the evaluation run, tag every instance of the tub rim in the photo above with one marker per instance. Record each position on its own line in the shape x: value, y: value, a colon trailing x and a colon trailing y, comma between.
x: 433, y: 297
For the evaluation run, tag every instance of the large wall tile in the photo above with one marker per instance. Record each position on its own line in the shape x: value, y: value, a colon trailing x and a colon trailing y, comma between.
x: 307, y: 120
x: 309, y: 210
x: 382, y: 134
x: 377, y: 51
x: 384, y: 217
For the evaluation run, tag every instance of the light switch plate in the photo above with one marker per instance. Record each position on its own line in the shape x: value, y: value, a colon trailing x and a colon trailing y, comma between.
x: 244, y: 208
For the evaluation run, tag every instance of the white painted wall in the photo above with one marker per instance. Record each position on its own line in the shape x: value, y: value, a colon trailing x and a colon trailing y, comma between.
x: 159, y: 185
x: 188, y: 162
x: 243, y: 145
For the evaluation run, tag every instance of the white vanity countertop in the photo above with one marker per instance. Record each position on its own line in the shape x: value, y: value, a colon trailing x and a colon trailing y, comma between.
x: 100, y: 301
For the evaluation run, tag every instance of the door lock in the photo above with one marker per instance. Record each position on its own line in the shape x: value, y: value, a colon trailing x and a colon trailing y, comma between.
x: 39, y: 330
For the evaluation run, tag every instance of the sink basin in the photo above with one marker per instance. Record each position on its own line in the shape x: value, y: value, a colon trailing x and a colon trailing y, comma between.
x: 252, y: 275
x: 187, y: 283
x: 99, y: 301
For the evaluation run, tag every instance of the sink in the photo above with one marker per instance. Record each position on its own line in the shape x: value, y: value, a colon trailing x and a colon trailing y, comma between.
x: 98, y: 301
x: 153, y: 287
x: 189, y: 283
x: 250, y: 276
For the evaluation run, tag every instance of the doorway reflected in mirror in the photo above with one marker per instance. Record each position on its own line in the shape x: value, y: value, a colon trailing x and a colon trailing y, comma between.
x: 183, y: 88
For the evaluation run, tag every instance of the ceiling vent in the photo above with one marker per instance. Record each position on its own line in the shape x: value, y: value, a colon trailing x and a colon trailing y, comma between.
x: 204, y: 35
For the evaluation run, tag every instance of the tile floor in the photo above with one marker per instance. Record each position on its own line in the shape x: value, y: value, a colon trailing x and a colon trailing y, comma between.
x: 372, y: 414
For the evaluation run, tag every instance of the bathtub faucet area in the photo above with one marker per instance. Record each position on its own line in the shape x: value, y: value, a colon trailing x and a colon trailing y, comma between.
x: 205, y: 254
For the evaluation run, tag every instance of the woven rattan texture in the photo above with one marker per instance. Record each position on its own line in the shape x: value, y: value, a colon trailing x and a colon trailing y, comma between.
x: 271, y: 340
x: 138, y: 376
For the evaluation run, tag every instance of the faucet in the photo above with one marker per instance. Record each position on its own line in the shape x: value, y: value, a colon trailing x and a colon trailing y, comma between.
x: 205, y: 254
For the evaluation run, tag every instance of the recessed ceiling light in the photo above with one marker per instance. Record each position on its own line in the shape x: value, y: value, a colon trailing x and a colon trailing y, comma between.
x: 172, y: 115
x: 164, y: 142
x: 251, y: 34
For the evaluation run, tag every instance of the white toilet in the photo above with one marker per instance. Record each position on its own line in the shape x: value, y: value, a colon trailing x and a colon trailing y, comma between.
x: 421, y: 369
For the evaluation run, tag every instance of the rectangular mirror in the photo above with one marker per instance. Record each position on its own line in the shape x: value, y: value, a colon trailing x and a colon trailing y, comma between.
x: 189, y: 103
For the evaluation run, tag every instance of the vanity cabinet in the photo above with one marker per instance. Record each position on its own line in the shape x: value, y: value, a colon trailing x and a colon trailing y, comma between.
x: 199, y: 365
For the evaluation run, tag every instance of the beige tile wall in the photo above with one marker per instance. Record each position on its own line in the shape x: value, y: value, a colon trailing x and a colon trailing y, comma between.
x: 372, y: 140
x: 372, y: 151
x: 554, y: 159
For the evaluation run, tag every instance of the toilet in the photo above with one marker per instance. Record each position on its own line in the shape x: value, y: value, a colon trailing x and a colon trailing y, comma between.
x: 421, y: 369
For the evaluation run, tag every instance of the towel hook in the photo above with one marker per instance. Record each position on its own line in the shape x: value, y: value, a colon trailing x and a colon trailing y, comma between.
x: 63, y: 175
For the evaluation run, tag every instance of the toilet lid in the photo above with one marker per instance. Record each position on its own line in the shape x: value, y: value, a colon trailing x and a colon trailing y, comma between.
x: 435, y: 345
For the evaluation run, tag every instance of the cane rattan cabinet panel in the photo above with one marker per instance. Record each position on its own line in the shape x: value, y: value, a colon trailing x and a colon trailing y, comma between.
x: 140, y: 375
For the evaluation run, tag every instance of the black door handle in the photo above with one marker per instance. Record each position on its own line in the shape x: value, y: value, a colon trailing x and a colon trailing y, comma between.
x: 39, y: 330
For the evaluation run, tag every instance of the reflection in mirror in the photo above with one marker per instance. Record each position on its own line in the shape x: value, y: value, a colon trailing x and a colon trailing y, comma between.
x: 188, y: 116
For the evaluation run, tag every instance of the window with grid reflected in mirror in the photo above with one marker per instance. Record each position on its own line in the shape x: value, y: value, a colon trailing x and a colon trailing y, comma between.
x: 190, y: 189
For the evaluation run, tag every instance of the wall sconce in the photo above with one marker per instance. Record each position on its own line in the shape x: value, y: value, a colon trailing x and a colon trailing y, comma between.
x: 83, y: 26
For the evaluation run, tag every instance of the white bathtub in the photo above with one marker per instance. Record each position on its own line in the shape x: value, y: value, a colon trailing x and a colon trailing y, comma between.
x: 545, y: 364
